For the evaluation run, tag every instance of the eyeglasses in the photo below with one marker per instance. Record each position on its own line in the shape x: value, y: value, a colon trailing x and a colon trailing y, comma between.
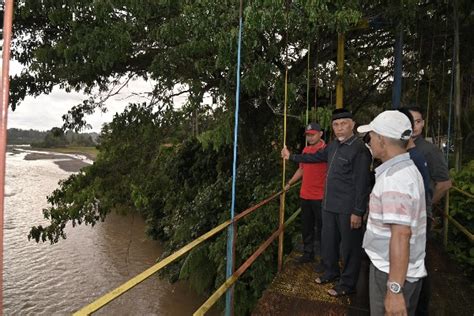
x: 366, y: 138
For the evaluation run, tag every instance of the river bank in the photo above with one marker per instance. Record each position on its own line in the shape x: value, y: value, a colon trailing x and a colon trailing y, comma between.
x: 69, y: 159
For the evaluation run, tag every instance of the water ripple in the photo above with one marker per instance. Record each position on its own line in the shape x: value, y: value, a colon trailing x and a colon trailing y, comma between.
x: 44, y: 279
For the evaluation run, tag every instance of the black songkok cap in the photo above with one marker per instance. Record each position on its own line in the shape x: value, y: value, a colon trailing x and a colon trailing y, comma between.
x: 340, y: 114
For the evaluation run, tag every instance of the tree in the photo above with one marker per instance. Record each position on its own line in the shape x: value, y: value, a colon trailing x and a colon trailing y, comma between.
x: 53, y: 138
x: 149, y: 159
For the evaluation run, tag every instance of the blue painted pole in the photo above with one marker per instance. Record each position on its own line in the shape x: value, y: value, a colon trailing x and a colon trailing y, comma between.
x: 229, y: 297
x: 397, y: 72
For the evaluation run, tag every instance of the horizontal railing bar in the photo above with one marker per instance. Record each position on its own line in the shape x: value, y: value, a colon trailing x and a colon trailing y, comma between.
x: 463, y: 192
x: 233, y: 278
x: 104, y: 300
x: 449, y: 218
x: 107, y: 298
x: 461, y: 228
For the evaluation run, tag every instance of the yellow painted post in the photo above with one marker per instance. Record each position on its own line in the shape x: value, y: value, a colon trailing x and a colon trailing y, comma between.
x: 283, y: 180
x: 282, y: 231
x: 340, y: 71
x: 446, y: 221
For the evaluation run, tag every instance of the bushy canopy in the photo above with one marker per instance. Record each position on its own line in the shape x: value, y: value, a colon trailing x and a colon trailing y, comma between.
x: 172, y: 164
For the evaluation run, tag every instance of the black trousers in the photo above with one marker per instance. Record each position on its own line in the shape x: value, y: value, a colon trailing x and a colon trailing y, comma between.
x: 339, y: 238
x: 310, y: 225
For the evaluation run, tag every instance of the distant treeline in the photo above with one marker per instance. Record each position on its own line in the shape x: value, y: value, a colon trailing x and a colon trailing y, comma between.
x: 55, y: 137
x: 17, y: 136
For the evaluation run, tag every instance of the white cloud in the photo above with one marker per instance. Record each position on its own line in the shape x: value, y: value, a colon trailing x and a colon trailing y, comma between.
x: 45, y: 111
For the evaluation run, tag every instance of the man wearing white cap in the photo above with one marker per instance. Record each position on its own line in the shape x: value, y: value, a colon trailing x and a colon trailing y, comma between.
x: 396, y: 227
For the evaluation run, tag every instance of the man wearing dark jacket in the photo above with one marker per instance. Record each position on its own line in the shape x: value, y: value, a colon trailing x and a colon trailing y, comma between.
x: 344, y: 203
x: 439, y: 185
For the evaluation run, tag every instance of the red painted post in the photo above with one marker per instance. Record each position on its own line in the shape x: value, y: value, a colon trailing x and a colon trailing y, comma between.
x: 4, y: 88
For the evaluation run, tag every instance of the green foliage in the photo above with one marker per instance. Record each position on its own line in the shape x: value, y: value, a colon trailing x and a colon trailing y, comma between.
x: 108, y: 184
x: 17, y: 136
x: 220, y: 136
x: 183, y: 190
x: 92, y: 45
x: 198, y: 260
x: 75, y: 201
x: 173, y: 164
x: 461, y: 209
x: 56, y: 138
x: 53, y: 138
x: 320, y: 115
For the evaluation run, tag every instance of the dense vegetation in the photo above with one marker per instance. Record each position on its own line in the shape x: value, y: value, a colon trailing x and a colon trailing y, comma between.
x: 461, y: 209
x: 172, y: 164
x: 17, y: 136
x: 55, y: 137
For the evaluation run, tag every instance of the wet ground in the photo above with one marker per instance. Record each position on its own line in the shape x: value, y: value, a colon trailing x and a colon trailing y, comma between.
x: 67, y: 163
x: 294, y: 291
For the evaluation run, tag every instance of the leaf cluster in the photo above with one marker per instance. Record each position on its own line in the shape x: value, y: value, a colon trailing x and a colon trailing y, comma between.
x: 461, y: 209
x: 183, y: 189
x: 173, y: 165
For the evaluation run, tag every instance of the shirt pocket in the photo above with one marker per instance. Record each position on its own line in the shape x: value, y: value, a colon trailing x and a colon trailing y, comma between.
x: 343, y: 165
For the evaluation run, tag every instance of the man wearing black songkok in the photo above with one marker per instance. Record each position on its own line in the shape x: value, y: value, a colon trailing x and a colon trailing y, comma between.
x: 344, y: 203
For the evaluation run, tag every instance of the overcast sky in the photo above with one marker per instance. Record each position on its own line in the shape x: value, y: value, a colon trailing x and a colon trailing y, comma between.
x: 45, y: 112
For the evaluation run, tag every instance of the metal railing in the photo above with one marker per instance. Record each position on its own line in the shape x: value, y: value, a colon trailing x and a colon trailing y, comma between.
x: 107, y: 298
x: 450, y: 219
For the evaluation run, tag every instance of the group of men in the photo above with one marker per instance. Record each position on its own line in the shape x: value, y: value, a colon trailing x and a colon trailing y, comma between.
x: 337, y: 180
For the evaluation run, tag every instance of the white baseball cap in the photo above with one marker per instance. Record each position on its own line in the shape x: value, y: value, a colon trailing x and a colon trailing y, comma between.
x: 393, y: 124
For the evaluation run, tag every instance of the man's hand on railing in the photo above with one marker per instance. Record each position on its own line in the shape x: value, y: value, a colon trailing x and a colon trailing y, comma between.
x: 285, y: 154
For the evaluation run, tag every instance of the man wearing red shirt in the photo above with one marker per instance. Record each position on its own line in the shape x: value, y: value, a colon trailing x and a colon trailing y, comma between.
x: 312, y: 192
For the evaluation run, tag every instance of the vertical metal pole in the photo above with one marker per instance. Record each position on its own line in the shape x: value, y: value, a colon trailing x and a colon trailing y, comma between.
x: 307, y: 85
x: 446, y: 221
x: 316, y: 79
x: 281, y: 213
x: 430, y: 75
x: 397, y: 72
x: 229, y: 297
x: 418, y: 66
x: 451, y: 94
x: 281, y: 217
x: 5, y: 88
x: 457, y: 92
x: 340, y: 71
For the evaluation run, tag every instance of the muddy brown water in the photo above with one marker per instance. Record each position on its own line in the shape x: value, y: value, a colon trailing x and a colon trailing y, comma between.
x: 45, y: 279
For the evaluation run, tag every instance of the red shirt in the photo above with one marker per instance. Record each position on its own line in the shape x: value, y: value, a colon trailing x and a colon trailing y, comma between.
x: 314, y: 175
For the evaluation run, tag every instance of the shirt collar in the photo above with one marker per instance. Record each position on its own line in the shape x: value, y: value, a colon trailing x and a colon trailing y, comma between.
x: 321, y: 144
x: 391, y: 162
x: 348, y: 141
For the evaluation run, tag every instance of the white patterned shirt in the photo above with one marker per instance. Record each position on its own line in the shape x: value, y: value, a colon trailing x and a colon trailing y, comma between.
x: 398, y: 197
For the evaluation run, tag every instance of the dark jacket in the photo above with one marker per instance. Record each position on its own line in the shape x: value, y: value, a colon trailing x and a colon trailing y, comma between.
x: 348, y: 179
x: 422, y: 166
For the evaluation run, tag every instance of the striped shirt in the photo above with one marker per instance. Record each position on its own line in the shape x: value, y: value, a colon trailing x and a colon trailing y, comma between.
x: 398, y: 197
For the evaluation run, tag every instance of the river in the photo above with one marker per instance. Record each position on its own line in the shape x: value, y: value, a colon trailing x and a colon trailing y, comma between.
x: 45, y: 279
